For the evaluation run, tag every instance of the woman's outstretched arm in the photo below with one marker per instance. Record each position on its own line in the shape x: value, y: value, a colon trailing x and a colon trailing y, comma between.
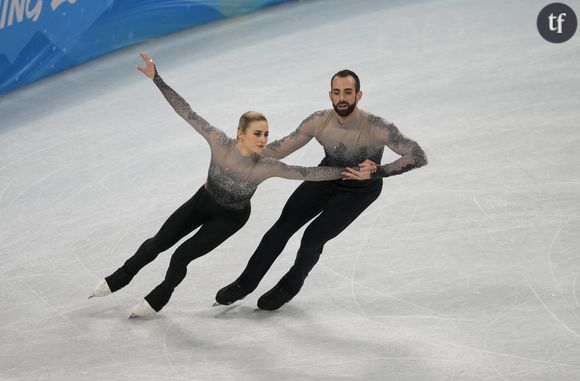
x: 179, y: 104
x: 276, y: 168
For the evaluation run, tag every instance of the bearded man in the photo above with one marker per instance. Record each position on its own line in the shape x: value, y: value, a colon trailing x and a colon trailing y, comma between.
x: 351, y: 138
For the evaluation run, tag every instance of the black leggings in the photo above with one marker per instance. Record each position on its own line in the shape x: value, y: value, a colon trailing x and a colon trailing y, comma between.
x: 337, y: 206
x: 217, y: 223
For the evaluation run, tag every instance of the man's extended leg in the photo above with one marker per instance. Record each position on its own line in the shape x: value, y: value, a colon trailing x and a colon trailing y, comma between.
x: 340, y: 211
x: 303, y: 205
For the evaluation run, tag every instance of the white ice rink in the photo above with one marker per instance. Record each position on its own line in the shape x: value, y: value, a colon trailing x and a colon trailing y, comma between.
x: 467, y: 269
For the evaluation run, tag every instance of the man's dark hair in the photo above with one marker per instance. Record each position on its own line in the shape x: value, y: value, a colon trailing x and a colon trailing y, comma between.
x: 346, y: 73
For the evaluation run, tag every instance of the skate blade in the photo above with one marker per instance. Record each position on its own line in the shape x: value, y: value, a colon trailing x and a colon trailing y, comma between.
x: 91, y: 296
x: 140, y: 317
x: 216, y: 304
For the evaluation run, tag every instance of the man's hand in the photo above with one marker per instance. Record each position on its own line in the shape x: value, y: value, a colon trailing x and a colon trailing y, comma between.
x: 149, y: 69
x: 362, y: 172
x: 353, y: 174
x: 368, y: 165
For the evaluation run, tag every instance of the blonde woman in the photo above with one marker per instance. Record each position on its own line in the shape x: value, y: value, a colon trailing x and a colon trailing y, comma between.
x: 220, y: 207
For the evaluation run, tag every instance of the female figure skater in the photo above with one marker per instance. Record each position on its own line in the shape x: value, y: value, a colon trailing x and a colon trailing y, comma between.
x: 221, y: 206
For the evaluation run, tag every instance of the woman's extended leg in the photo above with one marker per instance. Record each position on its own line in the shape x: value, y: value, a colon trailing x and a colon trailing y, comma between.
x: 183, y: 221
x: 212, y: 234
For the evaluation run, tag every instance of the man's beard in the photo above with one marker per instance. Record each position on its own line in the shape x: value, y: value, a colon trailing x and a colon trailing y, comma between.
x: 344, y: 112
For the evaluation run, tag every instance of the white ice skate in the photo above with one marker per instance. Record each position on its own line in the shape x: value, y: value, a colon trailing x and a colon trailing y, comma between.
x: 101, y: 289
x: 142, y: 310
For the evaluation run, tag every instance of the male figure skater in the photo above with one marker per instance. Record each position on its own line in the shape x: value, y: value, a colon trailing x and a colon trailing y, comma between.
x: 349, y: 136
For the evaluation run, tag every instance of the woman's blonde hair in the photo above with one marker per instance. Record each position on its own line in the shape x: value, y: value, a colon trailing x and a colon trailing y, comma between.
x: 249, y: 117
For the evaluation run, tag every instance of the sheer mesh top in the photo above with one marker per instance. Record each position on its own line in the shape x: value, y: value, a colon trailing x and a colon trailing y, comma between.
x: 232, y: 177
x: 348, y: 145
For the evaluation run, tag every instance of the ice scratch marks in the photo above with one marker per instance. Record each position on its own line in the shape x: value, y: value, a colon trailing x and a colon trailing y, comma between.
x: 549, y: 310
x: 491, y: 323
x: 29, y: 187
x: 354, y: 283
x: 81, y: 263
x: 356, y: 262
x: 479, y: 206
x: 574, y: 289
x: 552, y: 272
x: 165, y: 352
x: 1, y: 197
x: 551, y: 249
x: 4, y: 190
x: 55, y: 311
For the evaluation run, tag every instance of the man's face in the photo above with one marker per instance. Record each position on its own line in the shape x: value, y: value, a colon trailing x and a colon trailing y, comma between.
x: 344, y: 96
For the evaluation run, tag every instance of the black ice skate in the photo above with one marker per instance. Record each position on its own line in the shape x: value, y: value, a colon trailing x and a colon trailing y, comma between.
x: 230, y: 294
x: 275, y: 298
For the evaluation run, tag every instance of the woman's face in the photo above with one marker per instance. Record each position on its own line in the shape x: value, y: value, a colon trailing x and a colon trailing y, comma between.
x: 255, y: 138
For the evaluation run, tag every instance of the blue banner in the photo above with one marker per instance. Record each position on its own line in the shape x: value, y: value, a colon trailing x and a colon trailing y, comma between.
x: 42, y: 37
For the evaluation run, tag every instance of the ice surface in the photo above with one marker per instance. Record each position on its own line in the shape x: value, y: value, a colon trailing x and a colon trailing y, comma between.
x: 465, y: 269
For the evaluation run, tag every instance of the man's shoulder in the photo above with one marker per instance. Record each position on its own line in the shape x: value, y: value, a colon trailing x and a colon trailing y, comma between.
x: 376, y: 120
x: 316, y: 118
x: 323, y: 111
x: 320, y: 114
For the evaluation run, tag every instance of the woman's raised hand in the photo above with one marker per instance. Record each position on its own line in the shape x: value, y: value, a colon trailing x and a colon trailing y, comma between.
x: 149, y: 69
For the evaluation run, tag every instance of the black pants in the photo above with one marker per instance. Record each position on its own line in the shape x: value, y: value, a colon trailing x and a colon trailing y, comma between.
x: 337, y: 205
x: 217, y: 223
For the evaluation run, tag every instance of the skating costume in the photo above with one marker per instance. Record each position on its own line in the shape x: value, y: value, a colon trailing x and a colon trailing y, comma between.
x: 335, y: 204
x: 221, y: 207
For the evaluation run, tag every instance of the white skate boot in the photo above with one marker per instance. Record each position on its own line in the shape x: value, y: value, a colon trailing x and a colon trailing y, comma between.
x: 101, y: 289
x: 142, y: 310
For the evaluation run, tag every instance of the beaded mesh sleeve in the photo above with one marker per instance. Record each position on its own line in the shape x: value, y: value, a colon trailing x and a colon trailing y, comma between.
x: 232, y: 177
